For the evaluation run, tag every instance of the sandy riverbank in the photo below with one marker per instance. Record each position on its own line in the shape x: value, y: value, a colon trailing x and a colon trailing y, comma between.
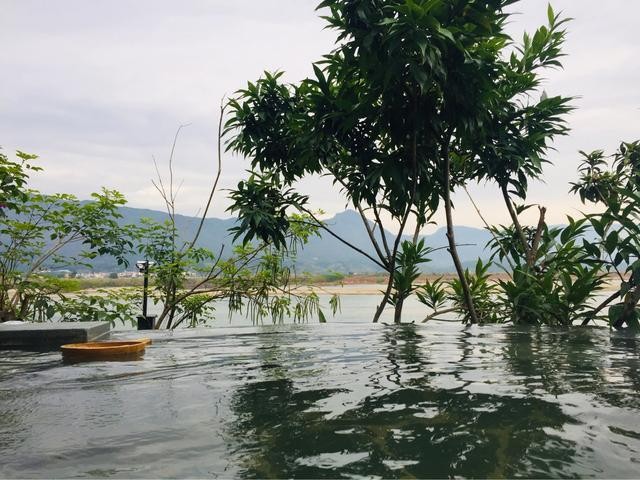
x: 373, y: 285
x: 364, y: 284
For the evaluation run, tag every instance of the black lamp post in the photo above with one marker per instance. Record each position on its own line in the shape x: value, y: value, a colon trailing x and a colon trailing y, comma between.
x: 145, y: 322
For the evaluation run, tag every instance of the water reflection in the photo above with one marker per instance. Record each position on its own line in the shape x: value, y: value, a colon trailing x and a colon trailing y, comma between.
x: 410, y: 419
x: 335, y: 402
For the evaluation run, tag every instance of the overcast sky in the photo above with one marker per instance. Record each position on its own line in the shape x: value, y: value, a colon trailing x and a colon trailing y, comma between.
x: 98, y: 88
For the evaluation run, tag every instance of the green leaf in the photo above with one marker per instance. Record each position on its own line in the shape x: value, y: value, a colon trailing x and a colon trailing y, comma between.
x: 551, y: 17
x: 611, y: 242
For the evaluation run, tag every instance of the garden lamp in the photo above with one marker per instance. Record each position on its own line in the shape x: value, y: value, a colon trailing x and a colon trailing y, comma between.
x: 145, y: 322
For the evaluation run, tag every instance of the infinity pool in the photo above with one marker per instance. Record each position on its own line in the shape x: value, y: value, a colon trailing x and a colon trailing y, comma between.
x: 336, y: 400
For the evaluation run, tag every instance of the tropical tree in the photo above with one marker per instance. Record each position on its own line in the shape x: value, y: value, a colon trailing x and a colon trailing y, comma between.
x: 614, y: 183
x: 36, y: 230
x: 418, y: 97
x: 558, y: 285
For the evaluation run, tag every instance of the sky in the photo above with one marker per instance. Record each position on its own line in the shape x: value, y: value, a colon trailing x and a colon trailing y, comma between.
x: 98, y: 90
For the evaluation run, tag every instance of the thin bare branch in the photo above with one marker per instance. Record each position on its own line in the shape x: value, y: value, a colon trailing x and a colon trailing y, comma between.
x: 383, y: 234
x: 158, y: 175
x: 215, y: 182
x: 162, y: 193
x: 372, y: 238
x: 495, y: 239
x: 171, y: 156
x: 365, y: 221
x: 321, y: 225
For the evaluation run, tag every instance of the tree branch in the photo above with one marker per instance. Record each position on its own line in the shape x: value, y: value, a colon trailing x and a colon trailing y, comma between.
x: 599, y: 308
x: 514, y: 219
x: 440, y: 312
x: 531, y: 256
x: 495, y: 239
x: 321, y: 225
x: 381, y: 228
x: 370, y: 232
x: 215, y: 183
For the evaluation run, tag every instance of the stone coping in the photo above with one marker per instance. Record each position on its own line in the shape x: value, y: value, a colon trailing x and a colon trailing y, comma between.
x: 50, y: 335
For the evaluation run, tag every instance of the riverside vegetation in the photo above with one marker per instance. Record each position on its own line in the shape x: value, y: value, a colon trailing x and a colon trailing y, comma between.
x: 417, y: 100
x: 35, y: 229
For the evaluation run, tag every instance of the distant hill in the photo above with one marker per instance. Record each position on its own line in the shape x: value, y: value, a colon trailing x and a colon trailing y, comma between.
x: 322, y: 253
x: 327, y: 253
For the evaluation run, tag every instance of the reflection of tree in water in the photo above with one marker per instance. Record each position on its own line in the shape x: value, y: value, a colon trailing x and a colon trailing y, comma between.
x: 403, y: 355
x: 407, y: 427
x: 559, y: 361
x: 273, y: 428
x: 624, y: 357
x: 271, y: 419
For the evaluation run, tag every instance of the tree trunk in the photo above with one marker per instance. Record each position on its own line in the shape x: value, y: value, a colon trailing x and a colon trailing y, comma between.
x: 535, y: 244
x: 385, y: 299
x: 515, y: 220
x: 451, y: 236
x: 397, y: 314
x: 172, y: 311
x: 161, y: 318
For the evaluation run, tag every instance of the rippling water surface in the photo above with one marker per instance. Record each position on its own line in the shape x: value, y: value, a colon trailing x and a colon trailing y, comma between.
x: 341, y: 400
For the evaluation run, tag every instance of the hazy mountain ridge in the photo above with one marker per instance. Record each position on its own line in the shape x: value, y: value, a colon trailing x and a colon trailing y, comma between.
x: 322, y: 253
x: 328, y: 253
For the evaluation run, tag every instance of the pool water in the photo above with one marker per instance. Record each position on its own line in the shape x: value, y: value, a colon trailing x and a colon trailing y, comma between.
x: 344, y: 400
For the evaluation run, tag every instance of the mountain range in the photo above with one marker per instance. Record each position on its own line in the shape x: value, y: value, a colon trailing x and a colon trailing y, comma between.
x: 322, y: 253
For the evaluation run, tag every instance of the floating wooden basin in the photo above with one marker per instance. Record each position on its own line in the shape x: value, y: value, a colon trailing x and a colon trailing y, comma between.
x: 105, y: 350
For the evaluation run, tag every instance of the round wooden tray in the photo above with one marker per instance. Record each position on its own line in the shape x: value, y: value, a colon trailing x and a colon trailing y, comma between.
x: 105, y: 350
